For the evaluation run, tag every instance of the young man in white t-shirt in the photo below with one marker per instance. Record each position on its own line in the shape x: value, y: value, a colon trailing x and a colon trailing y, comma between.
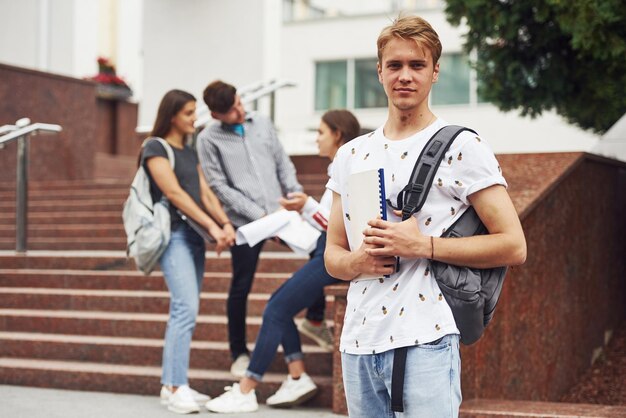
x: 406, y: 309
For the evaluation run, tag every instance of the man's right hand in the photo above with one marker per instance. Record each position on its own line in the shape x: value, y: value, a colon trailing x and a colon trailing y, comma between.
x: 229, y: 230
x: 294, y: 201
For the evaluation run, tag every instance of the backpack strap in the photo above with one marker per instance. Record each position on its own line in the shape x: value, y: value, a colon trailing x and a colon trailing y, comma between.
x: 414, y: 194
x: 168, y: 150
x: 397, y: 379
x: 412, y: 198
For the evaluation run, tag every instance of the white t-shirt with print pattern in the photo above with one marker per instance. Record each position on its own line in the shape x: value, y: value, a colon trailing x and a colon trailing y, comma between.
x: 408, y: 308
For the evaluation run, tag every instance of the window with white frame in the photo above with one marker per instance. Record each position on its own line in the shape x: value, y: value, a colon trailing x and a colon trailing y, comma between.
x: 368, y: 92
x: 453, y: 84
x: 353, y: 84
x: 330, y: 85
x: 299, y: 10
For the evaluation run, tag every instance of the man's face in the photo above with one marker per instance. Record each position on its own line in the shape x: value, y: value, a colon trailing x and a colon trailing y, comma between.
x: 407, y: 73
x: 236, y: 114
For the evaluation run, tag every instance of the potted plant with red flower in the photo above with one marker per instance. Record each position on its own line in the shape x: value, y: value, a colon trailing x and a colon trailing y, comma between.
x: 110, y: 86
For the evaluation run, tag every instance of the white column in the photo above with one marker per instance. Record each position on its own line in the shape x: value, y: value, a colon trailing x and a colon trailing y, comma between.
x: 43, y: 41
x: 85, y: 38
x: 129, y: 45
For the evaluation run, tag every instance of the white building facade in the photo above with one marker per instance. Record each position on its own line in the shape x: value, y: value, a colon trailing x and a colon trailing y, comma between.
x: 327, y: 47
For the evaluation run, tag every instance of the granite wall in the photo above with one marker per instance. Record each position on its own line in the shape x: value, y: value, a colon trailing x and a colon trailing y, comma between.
x: 90, y: 124
x: 560, y: 305
x: 49, y: 98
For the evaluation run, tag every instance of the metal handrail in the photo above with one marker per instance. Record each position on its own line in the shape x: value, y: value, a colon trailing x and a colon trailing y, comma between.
x: 21, y: 132
x: 268, y: 89
x: 20, y: 123
x: 7, y: 128
x: 250, y: 93
x: 29, y: 130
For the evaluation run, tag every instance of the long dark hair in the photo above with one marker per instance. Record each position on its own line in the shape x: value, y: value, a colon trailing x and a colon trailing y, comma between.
x: 171, y: 104
x: 343, y: 121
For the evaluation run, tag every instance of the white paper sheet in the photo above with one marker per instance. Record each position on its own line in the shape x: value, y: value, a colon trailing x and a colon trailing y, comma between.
x: 286, y: 225
x: 263, y: 228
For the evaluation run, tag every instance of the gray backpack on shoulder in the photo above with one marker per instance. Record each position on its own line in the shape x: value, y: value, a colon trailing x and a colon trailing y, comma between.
x: 472, y: 294
x: 147, y: 223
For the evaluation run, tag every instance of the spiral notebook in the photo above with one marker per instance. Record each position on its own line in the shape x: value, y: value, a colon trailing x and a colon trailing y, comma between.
x: 366, y: 192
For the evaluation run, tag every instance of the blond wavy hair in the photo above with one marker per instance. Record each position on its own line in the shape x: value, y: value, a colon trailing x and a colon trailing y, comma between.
x: 411, y: 27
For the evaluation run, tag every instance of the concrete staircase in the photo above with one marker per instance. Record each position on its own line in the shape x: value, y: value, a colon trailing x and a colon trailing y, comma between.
x: 75, y: 313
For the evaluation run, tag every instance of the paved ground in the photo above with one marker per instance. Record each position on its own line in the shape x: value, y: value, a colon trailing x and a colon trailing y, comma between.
x: 27, y: 402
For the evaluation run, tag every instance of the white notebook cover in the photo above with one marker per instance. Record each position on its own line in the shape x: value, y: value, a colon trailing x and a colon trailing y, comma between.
x: 366, y: 192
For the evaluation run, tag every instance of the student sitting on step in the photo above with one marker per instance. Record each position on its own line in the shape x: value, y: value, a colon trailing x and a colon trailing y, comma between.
x: 183, y: 260
x: 302, y: 290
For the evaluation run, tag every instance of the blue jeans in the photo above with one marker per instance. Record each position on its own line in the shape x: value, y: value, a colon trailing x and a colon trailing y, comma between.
x: 303, y: 289
x: 183, y: 267
x: 432, y: 381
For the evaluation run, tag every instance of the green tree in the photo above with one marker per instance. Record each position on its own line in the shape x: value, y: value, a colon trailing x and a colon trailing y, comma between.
x: 536, y: 55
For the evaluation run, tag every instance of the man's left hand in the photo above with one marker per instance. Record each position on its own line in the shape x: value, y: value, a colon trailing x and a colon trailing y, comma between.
x: 400, y: 239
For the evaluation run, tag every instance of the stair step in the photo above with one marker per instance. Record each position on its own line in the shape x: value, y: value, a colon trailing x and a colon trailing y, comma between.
x: 34, y: 195
x: 125, y: 280
x: 133, y: 379
x: 99, y: 230
x: 81, y: 237
x: 117, y: 324
x: 71, y: 243
x: 119, y: 185
x: 86, y: 185
x: 39, y: 206
x: 488, y: 408
x: 269, y: 262
x: 71, y: 218
x: 138, y: 301
x: 139, y: 351
x: 69, y: 185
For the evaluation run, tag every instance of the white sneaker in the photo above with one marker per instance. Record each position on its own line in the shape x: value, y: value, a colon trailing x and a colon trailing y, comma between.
x: 318, y: 333
x: 182, y: 401
x: 233, y: 401
x: 240, y: 365
x: 200, y: 398
x: 293, y: 392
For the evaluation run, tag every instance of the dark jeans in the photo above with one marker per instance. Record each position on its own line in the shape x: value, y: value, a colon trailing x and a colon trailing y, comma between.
x: 244, y: 261
x: 303, y: 289
x: 317, y: 310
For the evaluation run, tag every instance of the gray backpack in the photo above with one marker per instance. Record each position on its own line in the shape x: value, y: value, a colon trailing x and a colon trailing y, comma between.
x: 147, y: 223
x: 472, y: 294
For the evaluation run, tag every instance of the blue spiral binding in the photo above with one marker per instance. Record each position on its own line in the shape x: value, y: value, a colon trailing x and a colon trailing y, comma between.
x: 381, y: 194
